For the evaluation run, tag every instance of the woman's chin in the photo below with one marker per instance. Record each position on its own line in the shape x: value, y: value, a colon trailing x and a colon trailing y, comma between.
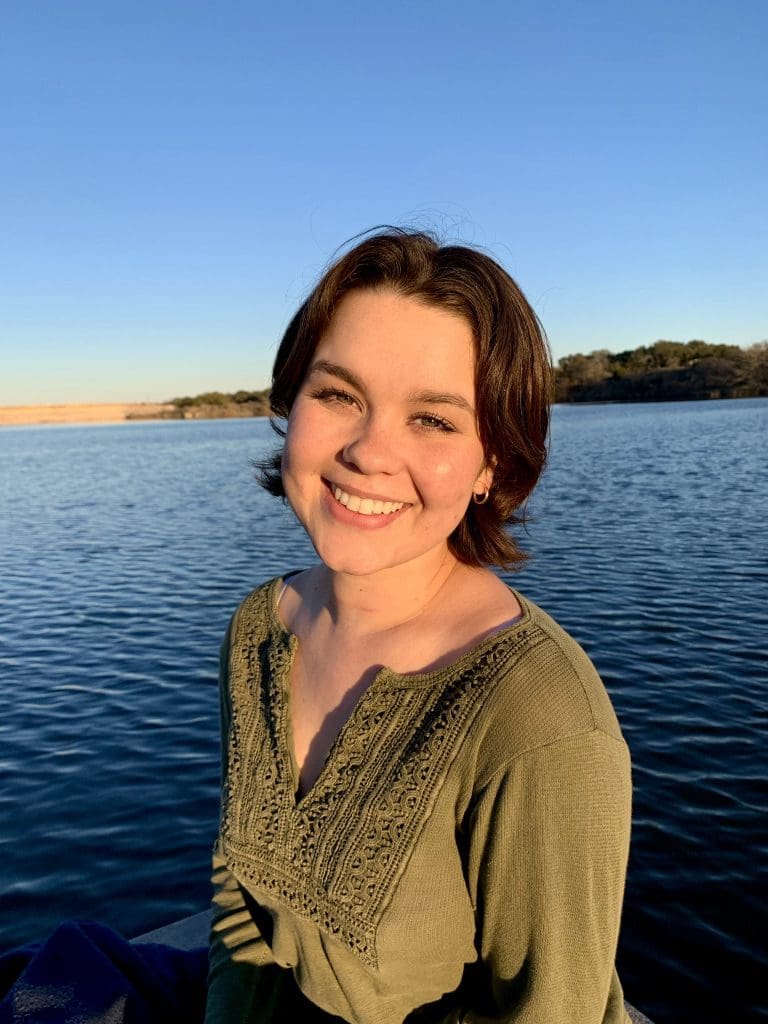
x: 355, y: 563
x: 368, y: 560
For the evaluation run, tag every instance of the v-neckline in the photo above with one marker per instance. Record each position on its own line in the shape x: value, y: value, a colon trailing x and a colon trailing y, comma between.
x: 287, y: 735
x: 383, y: 675
x: 285, y: 696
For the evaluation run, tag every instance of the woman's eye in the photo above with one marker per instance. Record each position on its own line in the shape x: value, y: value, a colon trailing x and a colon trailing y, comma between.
x: 334, y: 396
x: 431, y: 422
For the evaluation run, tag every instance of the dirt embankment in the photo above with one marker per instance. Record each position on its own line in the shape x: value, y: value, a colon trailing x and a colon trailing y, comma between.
x: 104, y: 412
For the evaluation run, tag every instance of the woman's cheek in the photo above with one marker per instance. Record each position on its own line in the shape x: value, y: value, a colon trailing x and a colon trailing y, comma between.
x: 450, y: 480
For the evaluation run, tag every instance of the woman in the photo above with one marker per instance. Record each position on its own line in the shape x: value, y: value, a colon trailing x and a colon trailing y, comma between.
x: 425, y: 808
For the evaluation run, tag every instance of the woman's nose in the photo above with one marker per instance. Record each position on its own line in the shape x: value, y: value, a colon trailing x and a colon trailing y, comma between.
x: 373, y: 447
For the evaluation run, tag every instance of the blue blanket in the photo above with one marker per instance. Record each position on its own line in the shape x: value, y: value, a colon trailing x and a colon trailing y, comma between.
x: 85, y: 973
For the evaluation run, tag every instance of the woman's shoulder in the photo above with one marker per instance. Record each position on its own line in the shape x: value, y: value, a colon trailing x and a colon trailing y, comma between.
x: 546, y: 689
x: 258, y: 609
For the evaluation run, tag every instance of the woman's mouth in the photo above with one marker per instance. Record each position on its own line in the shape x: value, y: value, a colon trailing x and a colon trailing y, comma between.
x: 365, y: 506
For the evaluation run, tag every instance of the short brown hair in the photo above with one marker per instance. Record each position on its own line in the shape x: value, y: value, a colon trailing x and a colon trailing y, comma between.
x: 512, y: 367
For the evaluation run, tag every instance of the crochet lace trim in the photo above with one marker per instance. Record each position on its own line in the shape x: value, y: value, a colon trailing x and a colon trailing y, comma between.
x: 335, y: 856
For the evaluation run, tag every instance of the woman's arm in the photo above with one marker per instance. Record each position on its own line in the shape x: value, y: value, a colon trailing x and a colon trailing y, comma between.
x: 548, y: 847
x: 242, y: 976
x: 241, y: 973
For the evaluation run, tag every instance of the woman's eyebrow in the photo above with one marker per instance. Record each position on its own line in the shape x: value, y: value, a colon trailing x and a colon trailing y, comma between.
x: 335, y: 370
x: 441, y: 398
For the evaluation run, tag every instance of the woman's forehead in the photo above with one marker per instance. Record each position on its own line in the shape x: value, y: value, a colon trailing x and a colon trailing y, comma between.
x: 383, y: 334
x: 387, y: 316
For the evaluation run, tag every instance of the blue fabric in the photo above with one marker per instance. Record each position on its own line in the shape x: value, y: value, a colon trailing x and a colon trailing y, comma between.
x: 85, y: 973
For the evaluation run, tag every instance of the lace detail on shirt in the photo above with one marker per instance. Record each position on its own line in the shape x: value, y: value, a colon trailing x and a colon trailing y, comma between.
x: 336, y: 856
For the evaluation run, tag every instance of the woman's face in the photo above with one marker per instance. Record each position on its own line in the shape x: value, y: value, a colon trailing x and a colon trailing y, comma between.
x: 382, y: 452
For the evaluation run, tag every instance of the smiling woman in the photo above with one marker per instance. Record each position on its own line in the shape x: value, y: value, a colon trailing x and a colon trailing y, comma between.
x: 511, y: 367
x: 365, y: 422
x: 425, y: 806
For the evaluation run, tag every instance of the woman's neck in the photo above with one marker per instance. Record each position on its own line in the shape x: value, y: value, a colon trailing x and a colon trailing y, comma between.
x: 385, y: 601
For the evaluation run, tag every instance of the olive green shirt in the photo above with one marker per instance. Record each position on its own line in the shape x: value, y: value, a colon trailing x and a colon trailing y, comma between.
x: 460, y: 857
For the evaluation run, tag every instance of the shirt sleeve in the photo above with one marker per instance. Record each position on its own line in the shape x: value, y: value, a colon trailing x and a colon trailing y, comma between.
x: 242, y: 977
x: 245, y: 984
x: 548, y: 846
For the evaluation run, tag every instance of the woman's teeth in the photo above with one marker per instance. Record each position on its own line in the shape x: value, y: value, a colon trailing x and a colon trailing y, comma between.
x: 366, y: 506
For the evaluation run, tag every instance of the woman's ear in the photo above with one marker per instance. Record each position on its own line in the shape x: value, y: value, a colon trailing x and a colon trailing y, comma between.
x: 485, y: 479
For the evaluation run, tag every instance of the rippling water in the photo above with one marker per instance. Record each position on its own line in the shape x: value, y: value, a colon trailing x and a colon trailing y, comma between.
x: 124, y: 549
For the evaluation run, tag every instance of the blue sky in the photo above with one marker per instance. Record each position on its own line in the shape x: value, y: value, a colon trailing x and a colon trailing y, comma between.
x: 175, y: 173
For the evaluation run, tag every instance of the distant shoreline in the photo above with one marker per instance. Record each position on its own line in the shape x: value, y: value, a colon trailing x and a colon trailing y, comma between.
x: 86, y: 412
x: 132, y: 412
x: 110, y: 412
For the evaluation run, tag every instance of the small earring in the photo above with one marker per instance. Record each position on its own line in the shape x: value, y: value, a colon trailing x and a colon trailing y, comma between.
x: 481, y: 498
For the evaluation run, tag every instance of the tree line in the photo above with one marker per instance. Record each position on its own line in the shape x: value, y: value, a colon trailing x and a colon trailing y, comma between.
x: 664, y: 371
x: 219, y: 404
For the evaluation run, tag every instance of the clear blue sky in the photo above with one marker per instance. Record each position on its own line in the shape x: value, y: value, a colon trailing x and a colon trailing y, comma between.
x: 174, y: 173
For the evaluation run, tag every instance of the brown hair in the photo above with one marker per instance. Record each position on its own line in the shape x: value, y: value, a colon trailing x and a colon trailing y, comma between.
x: 512, y: 367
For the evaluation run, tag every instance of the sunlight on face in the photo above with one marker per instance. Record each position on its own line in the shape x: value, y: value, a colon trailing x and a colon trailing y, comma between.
x: 382, y: 452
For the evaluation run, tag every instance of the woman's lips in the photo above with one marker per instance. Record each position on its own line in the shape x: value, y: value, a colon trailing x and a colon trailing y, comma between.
x: 365, y: 506
x: 363, y: 510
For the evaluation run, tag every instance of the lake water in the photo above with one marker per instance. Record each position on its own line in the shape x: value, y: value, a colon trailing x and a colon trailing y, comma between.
x: 124, y: 549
